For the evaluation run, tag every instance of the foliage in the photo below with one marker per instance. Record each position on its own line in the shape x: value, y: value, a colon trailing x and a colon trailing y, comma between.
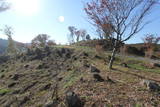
x: 88, y: 37
x: 119, y: 19
x: 42, y: 40
x: 4, y: 91
x: 150, y: 43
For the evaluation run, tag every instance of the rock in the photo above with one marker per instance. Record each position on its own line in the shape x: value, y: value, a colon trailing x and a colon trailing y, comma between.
x: 151, y: 85
x: 68, y: 55
x: 85, y: 54
x: 12, y: 84
x: 26, y: 66
x: 43, y: 65
x: 27, y: 87
x: 45, y: 87
x: 17, y: 91
x: 98, y: 57
x: 15, y: 77
x: 3, y: 70
x: 72, y: 100
x: 98, y: 78
x: 63, y: 50
x: 23, y: 100
x: 60, y: 78
x: 51, y: 104
x: 93, y: 69
x: 124, y: 65
x: 156, y: 65
x: 2, y: 76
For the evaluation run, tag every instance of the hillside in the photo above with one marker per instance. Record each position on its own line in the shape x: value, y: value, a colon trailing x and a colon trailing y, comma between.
x: 44, y: 77
x: 137, y: 49
x: 3, y: 45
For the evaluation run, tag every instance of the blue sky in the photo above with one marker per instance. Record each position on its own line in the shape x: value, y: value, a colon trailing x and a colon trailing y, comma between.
x: 45, y: 21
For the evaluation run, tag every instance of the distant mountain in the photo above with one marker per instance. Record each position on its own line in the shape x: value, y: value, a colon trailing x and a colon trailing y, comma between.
x: 3, y: 45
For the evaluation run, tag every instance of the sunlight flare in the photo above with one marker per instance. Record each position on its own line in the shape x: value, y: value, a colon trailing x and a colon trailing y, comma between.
x: 25, y: 7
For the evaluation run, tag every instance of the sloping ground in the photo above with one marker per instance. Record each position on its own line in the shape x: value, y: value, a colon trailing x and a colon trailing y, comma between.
x: 3, y: 45
x: 130, y: 49
x: 42, y: 76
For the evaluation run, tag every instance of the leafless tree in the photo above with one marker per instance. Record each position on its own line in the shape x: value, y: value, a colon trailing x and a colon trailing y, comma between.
x: 71, y: 36
x: 11, y: 49
x: 150, y: 43
x: 80, y: 34
x: 119, y: 19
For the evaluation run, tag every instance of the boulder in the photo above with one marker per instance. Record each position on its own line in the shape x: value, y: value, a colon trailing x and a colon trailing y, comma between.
x: 124, y: 64
x: 72, y: 100
x: 15, y: 77
x: 93, y: 69
x: 98, y: 78
x: 156, y: 65
x: 151, y: 85
x: 12, y: 84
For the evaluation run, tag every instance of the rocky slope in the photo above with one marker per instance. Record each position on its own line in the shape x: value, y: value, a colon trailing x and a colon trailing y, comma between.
x: 74, y: 77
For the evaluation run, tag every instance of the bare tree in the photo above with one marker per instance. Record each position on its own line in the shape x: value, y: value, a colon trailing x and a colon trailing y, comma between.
x: 150, y: 44
x: 76, y: 35
x: 100, y: 33
x: 119, y: 19
x: 71, y: 37
x: 11, y: 49
x: 83, y: 34
x: 80, y: 34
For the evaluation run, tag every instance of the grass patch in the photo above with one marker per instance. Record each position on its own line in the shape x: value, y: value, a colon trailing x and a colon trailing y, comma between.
x: 4, y: 91
x: 138, y: 105
x: 71, y: 78
x: 143, y: 68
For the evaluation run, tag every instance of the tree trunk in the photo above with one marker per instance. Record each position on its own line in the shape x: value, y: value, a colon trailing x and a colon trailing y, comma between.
x: 112, y: 58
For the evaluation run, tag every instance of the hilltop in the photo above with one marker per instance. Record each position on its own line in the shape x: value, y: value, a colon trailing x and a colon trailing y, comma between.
x: 43, y: 77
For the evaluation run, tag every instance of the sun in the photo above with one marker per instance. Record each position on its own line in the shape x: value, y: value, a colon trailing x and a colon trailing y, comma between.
x: 25, y: 7
x: 61, y: 18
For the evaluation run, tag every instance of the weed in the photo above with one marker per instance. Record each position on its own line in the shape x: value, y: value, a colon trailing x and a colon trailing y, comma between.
x: 4, y: 91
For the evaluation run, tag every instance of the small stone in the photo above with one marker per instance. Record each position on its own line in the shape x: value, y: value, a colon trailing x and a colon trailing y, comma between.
x: 12, y: 84
x: 15, y: 77
x: 26, y: 66
x: 45, y: 87
x: 98, y: 78
x: 93, y: 69
x: 24, y: 100
x: 50, y: 104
